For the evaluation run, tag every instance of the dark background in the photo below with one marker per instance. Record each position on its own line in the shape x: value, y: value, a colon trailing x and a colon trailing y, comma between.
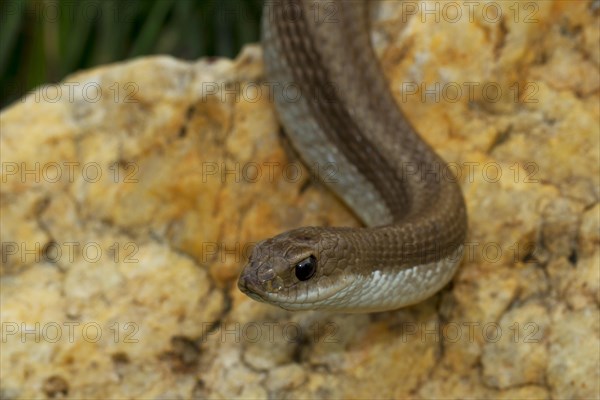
x: 42, y: 41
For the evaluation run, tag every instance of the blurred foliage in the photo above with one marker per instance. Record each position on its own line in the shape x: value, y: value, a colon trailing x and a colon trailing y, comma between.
x: 42, y: 41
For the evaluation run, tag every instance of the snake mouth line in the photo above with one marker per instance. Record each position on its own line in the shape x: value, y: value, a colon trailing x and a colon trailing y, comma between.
x: 312, y: 300
x: 313, y: 297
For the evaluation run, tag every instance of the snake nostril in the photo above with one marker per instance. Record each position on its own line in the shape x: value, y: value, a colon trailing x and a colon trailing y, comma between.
x: 265, y: 274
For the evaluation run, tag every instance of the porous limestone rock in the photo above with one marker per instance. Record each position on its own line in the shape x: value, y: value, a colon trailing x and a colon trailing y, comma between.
x: 132, y: 194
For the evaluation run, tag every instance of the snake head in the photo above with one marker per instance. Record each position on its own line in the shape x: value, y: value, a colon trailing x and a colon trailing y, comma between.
x: 300, y: 269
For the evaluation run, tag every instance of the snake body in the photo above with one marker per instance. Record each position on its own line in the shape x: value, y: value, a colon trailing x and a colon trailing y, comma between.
x: 346, y: 116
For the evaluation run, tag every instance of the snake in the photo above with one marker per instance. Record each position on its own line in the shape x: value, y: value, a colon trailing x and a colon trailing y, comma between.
x: 338, y: 110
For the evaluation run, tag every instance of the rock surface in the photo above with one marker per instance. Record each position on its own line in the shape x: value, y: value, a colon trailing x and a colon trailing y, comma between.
x: 132, y: 193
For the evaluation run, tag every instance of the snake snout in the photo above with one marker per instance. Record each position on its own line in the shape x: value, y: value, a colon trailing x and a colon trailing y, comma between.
x: 248, y: 283
x: 248, y: 279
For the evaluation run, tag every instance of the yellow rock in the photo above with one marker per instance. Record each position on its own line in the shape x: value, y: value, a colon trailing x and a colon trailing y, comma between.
x: 132, y: 193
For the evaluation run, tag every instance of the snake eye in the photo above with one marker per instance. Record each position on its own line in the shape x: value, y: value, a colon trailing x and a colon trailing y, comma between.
x: 306, y: 268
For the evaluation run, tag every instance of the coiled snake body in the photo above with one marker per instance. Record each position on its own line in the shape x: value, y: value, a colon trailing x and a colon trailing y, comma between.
x: 414, y: 214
